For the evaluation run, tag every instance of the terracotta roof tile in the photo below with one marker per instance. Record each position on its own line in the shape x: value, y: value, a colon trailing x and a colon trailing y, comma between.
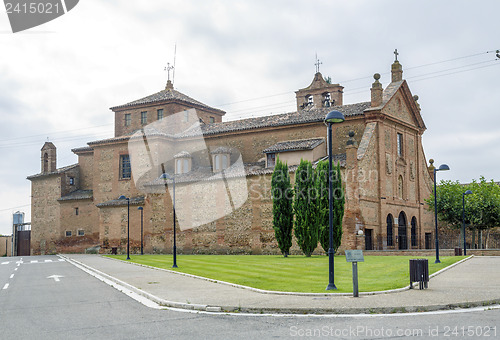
x: 166, y: 95
x: 78, y: 195
x: 57, y: 172
x: 295, y: 145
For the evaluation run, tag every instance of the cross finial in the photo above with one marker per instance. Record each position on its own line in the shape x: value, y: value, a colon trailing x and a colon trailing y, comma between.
x: 396, y: 54
x: 168, y: 69
x: 317, y: 63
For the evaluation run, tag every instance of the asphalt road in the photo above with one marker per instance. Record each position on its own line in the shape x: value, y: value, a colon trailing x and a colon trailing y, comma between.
x: 35, y: 304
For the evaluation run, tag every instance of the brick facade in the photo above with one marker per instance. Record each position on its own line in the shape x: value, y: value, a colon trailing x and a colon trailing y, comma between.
x: 379, y: 146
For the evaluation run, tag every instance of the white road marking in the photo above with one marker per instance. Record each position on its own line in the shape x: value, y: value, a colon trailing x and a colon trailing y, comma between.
x: 15, y: 269
x: 34, y: 261
x: 6, y: 286
x: 55, y: 277
x: 48, y: 260
x: 5, y: 262
x: 12, y: 276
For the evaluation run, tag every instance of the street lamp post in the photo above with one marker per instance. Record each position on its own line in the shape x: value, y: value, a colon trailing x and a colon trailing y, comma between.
x: 442, y: 167
x: 468, y: 192
x: 331, y: 118
x: 172, y: 177
x: 141, y: 209
x: 128, y: 224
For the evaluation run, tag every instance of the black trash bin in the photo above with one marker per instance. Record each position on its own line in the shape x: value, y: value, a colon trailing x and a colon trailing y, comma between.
x: 458, y: 251
x: 114, y: 250
x: 419, y: 272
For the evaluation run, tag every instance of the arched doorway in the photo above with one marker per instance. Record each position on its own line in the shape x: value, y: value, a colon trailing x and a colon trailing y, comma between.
x: 390, y: 232
x: 402, y: 231
x: 413, y: 231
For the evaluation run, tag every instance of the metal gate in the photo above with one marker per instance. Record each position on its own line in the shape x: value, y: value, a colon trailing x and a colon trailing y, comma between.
x: 23, y: 240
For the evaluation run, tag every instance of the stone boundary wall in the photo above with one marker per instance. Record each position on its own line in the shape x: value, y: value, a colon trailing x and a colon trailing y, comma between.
x: 431, y: 252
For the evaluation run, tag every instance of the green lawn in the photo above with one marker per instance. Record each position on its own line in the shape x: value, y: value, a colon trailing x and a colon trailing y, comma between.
x: 295, y: 273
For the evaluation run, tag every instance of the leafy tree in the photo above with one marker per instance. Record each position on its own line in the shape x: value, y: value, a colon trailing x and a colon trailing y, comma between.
x: 482, y: 208
x: 304, y: 207
x: 323, y: 206
x: 282, y: 194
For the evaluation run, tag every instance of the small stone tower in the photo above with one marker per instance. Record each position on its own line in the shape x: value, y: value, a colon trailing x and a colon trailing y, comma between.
x: 49, y: 158
x: 319, y: 94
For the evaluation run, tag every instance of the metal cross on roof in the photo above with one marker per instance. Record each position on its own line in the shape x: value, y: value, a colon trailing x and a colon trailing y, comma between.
x: 317, y: 63
x: 168, y: 68
x: 396, y: 54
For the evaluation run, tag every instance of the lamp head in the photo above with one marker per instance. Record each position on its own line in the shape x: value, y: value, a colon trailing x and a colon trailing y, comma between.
x: 122, y: 197
x: 443, y: 167
x: 468, y: 192
x: 334, y: 117
x: 165, y: 176
x: 140, y: 208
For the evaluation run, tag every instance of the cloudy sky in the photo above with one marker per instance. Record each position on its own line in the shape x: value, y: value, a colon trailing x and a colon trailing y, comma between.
x: 58, y: 80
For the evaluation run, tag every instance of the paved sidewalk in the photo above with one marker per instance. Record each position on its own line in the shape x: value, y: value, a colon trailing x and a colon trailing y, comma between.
x: 475, y: 282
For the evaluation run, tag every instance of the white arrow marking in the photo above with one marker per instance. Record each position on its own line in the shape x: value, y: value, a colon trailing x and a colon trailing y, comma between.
x: 55, y: 277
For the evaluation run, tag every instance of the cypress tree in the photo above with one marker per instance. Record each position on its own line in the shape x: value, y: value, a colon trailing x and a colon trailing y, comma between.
x: 304, y: 207
x: 282, y: 194
x: 323, y: 207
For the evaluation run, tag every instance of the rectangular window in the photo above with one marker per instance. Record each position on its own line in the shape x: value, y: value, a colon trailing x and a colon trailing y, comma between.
x: 212, y: 120
x: 400, y: 145
x: 81, y: 232
x: 160, y: 114
x: 68, y: 233
x: 125, y: 170
x: 186, y: 116
x: 271, y: 159
x: 144, y: 117
x: 76, y: 211
x: 71, y: 181
x: 128, y: 119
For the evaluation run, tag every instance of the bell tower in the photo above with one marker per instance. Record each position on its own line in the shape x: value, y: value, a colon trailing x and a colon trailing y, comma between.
x: 49, y: 158
x: 319, y: 94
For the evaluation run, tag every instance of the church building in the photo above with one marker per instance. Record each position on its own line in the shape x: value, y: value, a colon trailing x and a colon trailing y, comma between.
x: 169, y: 148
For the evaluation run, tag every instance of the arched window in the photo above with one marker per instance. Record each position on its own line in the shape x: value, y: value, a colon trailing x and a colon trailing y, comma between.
x: 224, y: 162
x: 217, y: 162
x: 390, y: 233
x: 414, y: 231
x: 45, y: 162
x: 402, y: 231
x: 179, y: 166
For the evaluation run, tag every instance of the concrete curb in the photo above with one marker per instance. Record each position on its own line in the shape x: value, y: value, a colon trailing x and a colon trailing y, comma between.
x: 270, y: 310
x: 262, y: 291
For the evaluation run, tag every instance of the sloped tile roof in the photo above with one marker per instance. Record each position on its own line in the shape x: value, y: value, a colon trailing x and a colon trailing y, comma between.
x: 167, y: 95
x: 308, y: 115
x: 78, y: 195
x: 121, y: 202
x: 82, y: 149
x: 57, y: 172
x: 295, y: 145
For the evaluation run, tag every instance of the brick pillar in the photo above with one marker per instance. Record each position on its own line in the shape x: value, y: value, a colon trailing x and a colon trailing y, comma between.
x: 353, y: 220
